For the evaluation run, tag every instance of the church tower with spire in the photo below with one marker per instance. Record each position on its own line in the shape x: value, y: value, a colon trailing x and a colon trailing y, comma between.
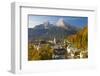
x: 54, y: 40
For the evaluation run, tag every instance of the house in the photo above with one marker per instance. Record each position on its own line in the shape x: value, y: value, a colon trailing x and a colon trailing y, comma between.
x: 59, y: 53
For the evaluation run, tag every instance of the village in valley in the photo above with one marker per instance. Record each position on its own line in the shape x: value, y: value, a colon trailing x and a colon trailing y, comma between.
x: 56, y: 49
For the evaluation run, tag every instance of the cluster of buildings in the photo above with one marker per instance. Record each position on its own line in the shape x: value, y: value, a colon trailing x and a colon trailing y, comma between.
x: 61, y: 49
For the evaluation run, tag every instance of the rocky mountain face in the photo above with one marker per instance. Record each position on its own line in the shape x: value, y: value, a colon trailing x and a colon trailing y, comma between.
x: 50, y: 31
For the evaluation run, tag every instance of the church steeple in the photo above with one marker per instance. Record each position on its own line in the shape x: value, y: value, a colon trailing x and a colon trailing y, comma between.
x: 54, y: 40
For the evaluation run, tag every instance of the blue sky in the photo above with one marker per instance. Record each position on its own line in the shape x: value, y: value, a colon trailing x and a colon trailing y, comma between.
x: 39, y: 19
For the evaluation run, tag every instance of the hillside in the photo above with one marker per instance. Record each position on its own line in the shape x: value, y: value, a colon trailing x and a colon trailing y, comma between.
x: 80, y: 40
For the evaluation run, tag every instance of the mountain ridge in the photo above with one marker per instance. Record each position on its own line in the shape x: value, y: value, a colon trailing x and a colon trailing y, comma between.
x: 47, y: 30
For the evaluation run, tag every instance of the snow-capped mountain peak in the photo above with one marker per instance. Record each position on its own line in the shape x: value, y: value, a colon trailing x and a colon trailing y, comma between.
x: 46, y: 24
x: 61, y: 23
